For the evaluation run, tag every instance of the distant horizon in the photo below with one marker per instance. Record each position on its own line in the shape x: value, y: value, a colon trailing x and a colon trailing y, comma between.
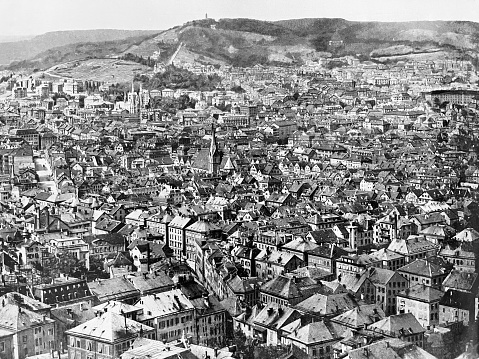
x: 37, y: 18
x: 22, y: 37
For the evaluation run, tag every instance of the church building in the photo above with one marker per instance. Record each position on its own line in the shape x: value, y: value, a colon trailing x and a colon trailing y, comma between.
x: 208, y: 160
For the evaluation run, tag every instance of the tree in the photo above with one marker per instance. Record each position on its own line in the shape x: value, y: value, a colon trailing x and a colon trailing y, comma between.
x: 251, y: 349
x: 64, y: 263
x: 178, y: 78
x: 238, y: 89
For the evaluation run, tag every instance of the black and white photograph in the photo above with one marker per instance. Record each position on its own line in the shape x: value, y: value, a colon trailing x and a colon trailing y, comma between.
x: 239, y: 179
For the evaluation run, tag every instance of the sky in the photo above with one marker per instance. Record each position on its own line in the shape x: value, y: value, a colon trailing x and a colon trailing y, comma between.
x: 33, y: 17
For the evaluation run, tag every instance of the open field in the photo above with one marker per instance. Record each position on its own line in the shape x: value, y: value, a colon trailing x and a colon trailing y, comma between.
x: 107, y: 70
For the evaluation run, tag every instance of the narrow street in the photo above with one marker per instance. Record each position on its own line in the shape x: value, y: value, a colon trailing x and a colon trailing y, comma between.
x: 45, y: 175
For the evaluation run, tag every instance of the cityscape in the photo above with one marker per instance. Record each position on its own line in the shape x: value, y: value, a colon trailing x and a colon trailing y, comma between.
x: 238, y: 188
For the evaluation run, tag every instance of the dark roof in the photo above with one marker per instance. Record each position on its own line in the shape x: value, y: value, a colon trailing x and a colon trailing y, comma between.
x: 456, y: 299
x: 282, y: 286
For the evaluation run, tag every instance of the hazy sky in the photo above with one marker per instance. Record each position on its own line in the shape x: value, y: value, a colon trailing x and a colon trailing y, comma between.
x: 27, y: 17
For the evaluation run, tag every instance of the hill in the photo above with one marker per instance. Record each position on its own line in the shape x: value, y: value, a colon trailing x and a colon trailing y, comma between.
x: 246, y: 42
x: 27, y: 49
x: 76, y: 52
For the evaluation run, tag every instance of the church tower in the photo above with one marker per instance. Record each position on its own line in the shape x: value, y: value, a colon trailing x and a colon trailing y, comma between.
x: 214, y: 157
x: 132, y: 100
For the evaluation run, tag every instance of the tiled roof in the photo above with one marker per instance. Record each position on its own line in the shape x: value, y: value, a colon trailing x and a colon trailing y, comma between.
x: 398, y: 324
x: 109, y: 327
x: 361, y: 316
x: 461, y: 281
x: 313, y: 333
x: 327, y: 304
x: 423, y: 293
x: 282, y: 286
x: 423, y: 267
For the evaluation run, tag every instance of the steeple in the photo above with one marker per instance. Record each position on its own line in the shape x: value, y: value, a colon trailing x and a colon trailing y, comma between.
x: 132, y: 99
x: 214, y: 154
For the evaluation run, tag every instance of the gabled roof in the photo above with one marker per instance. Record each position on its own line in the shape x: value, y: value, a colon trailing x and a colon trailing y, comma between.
x: 467, y: 235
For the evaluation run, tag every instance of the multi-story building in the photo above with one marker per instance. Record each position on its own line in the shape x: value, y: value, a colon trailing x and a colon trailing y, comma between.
x: 170, y: 313
x: 423, y: 271
x: 452, y: 96
x: 104, y: 245
x: 325, y: 257
x: 384, y: 258
x: 106, y: 336
x: 464, y: 257
x: 12, y: 160
x: 30, y: 135
x: 414, y: 247
x: 455, y: 307
x: 423, y: 302
x: 177, y: 235
x: 287, y: 291
x: 32, y: 253
x: 73, y: 245
x: 199, y: 232
x: 62, y: 290
x: 352, y: 264
x: 270, y: 265
x: 387, y: 283
x: 404, y: 326
x: 210, y: 321
x: 232, y: 120
x: 317, y: 345
x: 359, y: 235
x: 28, y: 332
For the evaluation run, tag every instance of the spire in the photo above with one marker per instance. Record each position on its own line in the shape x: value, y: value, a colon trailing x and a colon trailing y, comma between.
x: 214, y: 155
x: 213, y: 145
